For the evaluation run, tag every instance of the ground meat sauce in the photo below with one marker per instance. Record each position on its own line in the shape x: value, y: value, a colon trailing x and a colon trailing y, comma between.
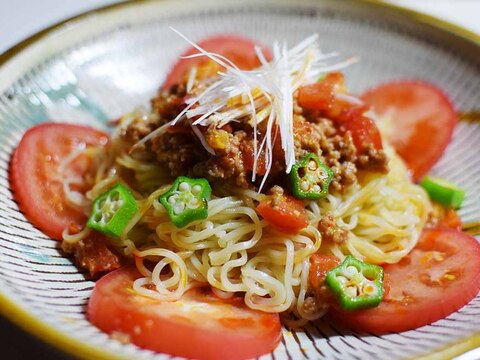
x: 227, y: 164
x: 330, y: 231
x: 180, y: 151
x: 93, y: 254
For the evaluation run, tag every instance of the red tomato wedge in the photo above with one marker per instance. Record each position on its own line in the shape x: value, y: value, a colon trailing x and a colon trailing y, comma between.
x: 423, y: 120
x: 237, y: 49
x: 320, y: 265
x: 35, y: 178
x: 321, y: 96
x: 199, y: 326
x: 284, y: 213
x: 363, y: 129
x: 439, y: 276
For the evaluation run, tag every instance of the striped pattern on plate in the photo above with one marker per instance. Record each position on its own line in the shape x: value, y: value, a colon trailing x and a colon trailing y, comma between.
x: 112, y: 62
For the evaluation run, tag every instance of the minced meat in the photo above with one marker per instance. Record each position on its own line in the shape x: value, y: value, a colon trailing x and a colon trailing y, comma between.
x: 330, y: 231
x: 180, y: 150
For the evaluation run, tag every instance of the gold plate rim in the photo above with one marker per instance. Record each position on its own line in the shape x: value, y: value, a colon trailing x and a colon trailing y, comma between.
x: 35, y: 326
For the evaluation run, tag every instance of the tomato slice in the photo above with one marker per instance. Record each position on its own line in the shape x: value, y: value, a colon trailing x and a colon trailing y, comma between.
x: 284, y: 212
x: 239, y: 50
x: 439, y: 276
x: 418, y: 110
x: 199, y: 326
x: 34, y: 173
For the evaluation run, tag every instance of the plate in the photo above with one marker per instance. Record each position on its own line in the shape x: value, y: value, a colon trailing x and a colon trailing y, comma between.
x: 104, y: 63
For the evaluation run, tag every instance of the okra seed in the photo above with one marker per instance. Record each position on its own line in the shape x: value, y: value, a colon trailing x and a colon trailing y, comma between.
x: 172, y: 200
x: 369, y: 288
x: 322, y: 174
x: 196, y: 189
x: 193, y: 204
x: 312, y: 165
x: 351, y: 291
x: 178, y: 208
x: 117, y: 205
x: 316, y: 188
x: 184, y: 186
x: 194, y: 201
x: 342, y: 280
x: 305, y: 185
x: 350, y: 271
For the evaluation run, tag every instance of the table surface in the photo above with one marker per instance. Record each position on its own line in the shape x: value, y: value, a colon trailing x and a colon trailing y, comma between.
x: 22, y: 18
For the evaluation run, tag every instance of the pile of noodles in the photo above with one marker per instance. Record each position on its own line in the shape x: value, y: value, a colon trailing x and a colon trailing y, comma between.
x: 234, y: 250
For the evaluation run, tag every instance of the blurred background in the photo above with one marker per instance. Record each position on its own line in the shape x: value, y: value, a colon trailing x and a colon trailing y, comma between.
x: 22, y: 18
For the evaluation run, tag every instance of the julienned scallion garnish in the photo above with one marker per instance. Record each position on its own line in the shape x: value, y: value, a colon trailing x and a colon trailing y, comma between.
x: 443, y: 192
x: 356, y: 284
x: 187, y: 200
x: 112, y: 211
x: 310, y: 178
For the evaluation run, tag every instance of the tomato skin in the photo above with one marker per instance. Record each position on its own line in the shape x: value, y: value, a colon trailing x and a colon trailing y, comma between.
x: 34, y: 176
x: 285, y: 213
x: 416, y: 108
x: 248, y: 159
x: 92, y: 253
x: 320, y: 264
x: 451, y: 219
x: 239, y: 50
x: 199, y: 326
x: 363, y: 129
x: 418, y: 296
x: 321, y: 96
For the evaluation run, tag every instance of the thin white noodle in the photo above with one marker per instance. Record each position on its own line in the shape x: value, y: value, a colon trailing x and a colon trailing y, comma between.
x: 233, y: 250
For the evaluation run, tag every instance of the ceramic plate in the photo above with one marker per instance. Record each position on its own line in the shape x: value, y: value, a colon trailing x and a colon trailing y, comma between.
x: 100, y: 65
